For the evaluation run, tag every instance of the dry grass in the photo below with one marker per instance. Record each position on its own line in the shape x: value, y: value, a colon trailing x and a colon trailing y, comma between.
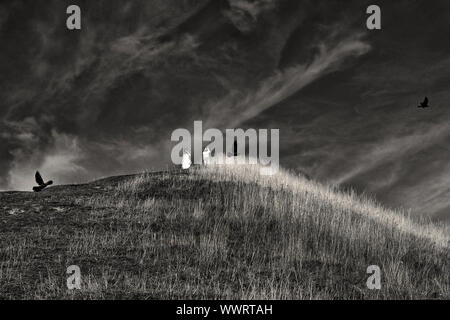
x: 223, y: 232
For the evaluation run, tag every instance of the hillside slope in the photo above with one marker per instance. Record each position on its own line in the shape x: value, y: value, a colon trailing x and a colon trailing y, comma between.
x: 214, y: 233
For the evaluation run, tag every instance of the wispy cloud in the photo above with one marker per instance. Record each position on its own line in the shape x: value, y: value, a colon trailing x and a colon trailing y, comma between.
x: 238, y: 107
x: 393, y: 149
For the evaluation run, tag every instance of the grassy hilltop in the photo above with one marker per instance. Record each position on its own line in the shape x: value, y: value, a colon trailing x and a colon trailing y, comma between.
x: 217, y: 232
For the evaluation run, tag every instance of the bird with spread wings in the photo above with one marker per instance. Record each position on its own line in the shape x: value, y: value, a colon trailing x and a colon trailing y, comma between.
x: 424, y: 104
x: 41, y: 184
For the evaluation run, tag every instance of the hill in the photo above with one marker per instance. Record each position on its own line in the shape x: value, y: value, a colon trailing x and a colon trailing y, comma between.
x: 216, y: 232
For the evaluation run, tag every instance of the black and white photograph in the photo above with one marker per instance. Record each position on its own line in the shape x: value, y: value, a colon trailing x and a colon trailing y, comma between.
x: 224, y: 150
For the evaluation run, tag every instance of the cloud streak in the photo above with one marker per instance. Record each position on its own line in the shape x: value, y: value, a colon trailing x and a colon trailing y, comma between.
x: 235, y: 108
x: 394, y: 149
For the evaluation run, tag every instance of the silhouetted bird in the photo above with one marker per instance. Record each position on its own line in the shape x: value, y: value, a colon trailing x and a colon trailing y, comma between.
x: 41, y: 184
x: 424, y: 104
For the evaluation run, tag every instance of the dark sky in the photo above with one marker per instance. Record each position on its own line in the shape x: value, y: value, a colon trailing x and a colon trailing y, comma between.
x: 79, y: 105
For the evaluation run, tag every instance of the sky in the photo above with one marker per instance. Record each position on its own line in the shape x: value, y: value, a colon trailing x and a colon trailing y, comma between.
x: 104, y: 100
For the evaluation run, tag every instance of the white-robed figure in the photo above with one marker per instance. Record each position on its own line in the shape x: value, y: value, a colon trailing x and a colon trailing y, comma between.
x: 206, y: 156
x: 186, y: 161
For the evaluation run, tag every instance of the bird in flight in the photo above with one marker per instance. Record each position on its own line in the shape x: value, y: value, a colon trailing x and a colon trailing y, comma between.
x: 424, y: 104
x: 41, y: 184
